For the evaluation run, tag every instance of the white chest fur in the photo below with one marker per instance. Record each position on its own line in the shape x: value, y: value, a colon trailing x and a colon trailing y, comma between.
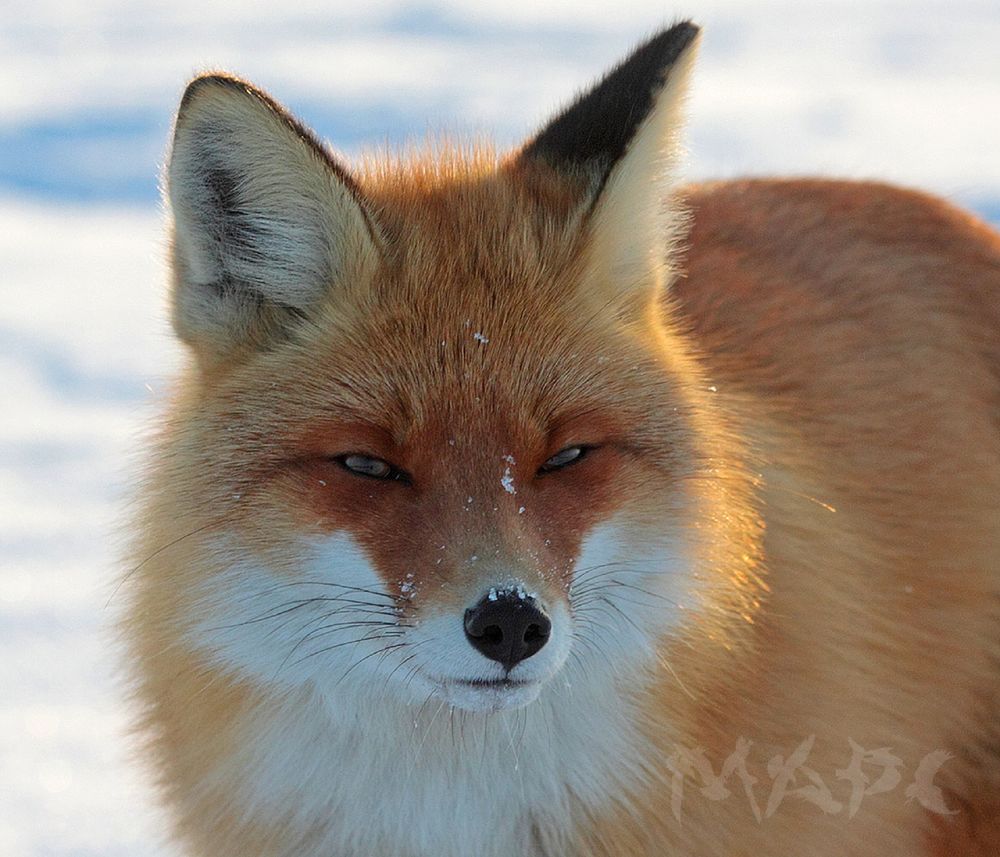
x: 378, y: 777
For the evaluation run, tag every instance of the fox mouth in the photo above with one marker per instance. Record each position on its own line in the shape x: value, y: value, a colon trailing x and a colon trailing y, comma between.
x: 486, y: 694
x: 494, y: 684
x: 489, y: 683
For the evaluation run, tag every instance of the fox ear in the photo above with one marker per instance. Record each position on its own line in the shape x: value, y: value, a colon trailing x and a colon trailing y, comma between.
x: 265, y: 221
x: 620, y: 141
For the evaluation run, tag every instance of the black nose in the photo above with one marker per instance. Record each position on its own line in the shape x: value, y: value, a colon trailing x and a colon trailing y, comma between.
x: 507, y: 626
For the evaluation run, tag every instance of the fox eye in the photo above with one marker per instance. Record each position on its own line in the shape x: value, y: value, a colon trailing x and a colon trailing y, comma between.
x: 373, y: 468
x: 563, y: 458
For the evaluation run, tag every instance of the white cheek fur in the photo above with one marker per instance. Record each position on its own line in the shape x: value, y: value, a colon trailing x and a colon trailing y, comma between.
x: 626, y: 594
x: 333, y: 616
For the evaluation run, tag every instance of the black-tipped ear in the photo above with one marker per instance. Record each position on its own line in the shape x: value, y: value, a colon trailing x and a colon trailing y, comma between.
x: 620, y: 140
x: 594, y: 132
x: 265, y: 221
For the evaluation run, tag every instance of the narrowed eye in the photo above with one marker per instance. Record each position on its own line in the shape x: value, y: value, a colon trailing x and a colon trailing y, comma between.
x: 564, y: 458
x: 373, y: 468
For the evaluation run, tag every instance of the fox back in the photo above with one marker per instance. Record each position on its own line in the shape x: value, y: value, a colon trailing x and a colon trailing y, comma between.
x: 532, y: 504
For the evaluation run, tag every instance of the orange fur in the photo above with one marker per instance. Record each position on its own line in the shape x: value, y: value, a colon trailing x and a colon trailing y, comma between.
x: 813, y: 404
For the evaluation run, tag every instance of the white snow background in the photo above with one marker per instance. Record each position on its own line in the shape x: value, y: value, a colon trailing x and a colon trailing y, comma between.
x: 907, y: 90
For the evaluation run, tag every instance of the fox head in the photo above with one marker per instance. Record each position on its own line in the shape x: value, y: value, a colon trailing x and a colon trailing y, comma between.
x: 440, y: 437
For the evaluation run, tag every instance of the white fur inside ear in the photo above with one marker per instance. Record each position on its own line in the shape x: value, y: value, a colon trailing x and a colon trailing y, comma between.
x: 634, y: 223
x: 262, y: 216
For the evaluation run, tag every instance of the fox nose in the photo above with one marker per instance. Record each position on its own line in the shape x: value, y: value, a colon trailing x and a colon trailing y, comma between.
x: 507, y: 627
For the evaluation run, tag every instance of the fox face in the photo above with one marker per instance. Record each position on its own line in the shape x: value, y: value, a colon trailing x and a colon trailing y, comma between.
x: 453, y: 534
x: 440, y: 438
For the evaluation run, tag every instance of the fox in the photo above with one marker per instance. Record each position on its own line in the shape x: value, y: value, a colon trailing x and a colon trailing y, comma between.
x: 538, y: 503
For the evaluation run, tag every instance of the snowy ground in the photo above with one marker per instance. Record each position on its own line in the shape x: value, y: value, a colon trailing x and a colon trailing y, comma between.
x: 903, y: 90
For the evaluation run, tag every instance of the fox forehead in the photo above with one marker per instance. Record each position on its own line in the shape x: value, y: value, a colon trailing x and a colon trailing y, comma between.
x: 455, y: 242
x: 501, y: 379
x: 492, y: 359
x: 498, y: 213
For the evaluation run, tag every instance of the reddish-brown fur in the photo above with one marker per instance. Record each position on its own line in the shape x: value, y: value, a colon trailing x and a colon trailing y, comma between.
x: 859, y: 327
x: 819, y: 390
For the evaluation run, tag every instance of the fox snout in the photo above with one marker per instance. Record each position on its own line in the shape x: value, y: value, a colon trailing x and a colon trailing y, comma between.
x: 507, y: 626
